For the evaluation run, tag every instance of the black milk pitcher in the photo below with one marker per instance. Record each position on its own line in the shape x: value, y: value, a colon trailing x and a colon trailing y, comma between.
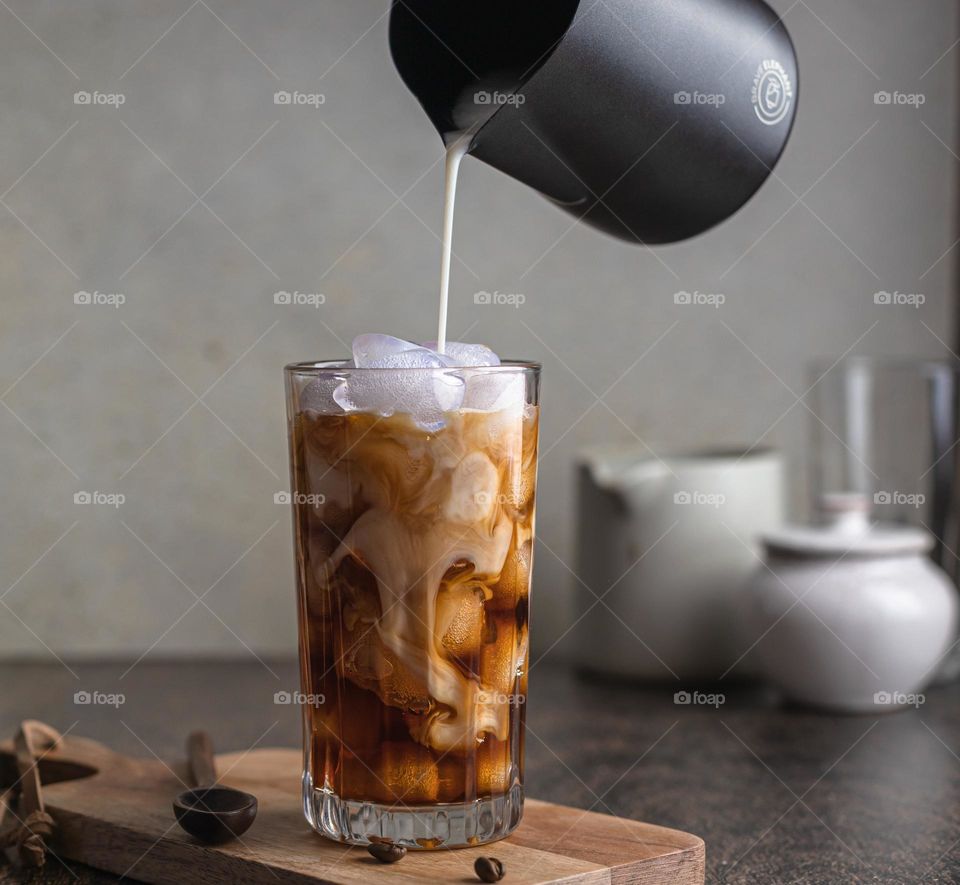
x: 651, y: 119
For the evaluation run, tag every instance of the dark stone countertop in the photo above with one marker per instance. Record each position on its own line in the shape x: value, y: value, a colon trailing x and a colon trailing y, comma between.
x: 780, y: 795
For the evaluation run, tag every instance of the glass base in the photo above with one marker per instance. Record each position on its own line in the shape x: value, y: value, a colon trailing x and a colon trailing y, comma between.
x: 450, y: 825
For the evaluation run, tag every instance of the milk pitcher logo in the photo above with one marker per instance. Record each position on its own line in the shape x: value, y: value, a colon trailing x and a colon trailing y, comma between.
x: 772, y: 93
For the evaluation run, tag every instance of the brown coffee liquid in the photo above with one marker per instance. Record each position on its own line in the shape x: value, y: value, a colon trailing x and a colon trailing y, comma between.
x: 414, y: 579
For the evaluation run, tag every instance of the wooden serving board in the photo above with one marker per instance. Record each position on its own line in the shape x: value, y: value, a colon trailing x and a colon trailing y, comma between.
x: 114, y: 813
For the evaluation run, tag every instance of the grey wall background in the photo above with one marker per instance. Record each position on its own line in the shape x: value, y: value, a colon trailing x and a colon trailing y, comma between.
x: 199, y: 198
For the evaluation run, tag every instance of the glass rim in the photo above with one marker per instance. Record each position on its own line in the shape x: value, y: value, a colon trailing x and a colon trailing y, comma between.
x: 320, y: 367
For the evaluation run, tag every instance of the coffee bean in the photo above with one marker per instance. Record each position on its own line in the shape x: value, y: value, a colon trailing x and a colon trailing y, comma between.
x: 489, y: 869
x: 387, y: 852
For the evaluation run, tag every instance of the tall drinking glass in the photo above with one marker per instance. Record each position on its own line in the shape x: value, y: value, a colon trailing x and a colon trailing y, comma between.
x: 414, y: 546
x: 887, y: 429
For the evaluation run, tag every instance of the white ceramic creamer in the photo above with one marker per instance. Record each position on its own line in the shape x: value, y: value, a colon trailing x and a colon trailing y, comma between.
x: 668, y: 545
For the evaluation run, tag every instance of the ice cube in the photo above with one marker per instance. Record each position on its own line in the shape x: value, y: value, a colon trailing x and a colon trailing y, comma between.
x: 501, y: 660
x: 353, y: 729
x: 460, y: 619
x: 416, y: 388
x: 318, y: 396
x: 425, y: 394
x: 514, y: 580
x: 467, y: 354
x: 456, y: 781
x: 397, y: 773
x: 415, y: 358
x: 495, y: 391
x: 374, y: 348
x: 494, y: 767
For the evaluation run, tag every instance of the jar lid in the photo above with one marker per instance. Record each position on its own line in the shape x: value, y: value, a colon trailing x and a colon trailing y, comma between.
x: 847, y: 531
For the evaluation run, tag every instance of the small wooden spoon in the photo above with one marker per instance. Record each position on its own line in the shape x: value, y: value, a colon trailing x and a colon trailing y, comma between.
x: 209, y: 812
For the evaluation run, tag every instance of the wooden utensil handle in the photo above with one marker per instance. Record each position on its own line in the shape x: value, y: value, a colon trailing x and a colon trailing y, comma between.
x: 33, y: 740
x: 200, y: 759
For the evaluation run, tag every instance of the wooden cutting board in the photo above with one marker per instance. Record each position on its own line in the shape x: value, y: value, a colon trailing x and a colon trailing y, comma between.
x: 114, y: 813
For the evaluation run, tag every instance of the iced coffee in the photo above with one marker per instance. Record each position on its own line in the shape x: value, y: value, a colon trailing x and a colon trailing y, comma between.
x: 413, y: 492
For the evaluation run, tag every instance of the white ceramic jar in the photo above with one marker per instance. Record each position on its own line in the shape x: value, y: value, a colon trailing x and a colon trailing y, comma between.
x: 853, y: 618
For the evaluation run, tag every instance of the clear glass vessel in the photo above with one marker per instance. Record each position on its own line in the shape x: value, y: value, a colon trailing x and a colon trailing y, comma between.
x: 886, y: 430
x: 414, y: 548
